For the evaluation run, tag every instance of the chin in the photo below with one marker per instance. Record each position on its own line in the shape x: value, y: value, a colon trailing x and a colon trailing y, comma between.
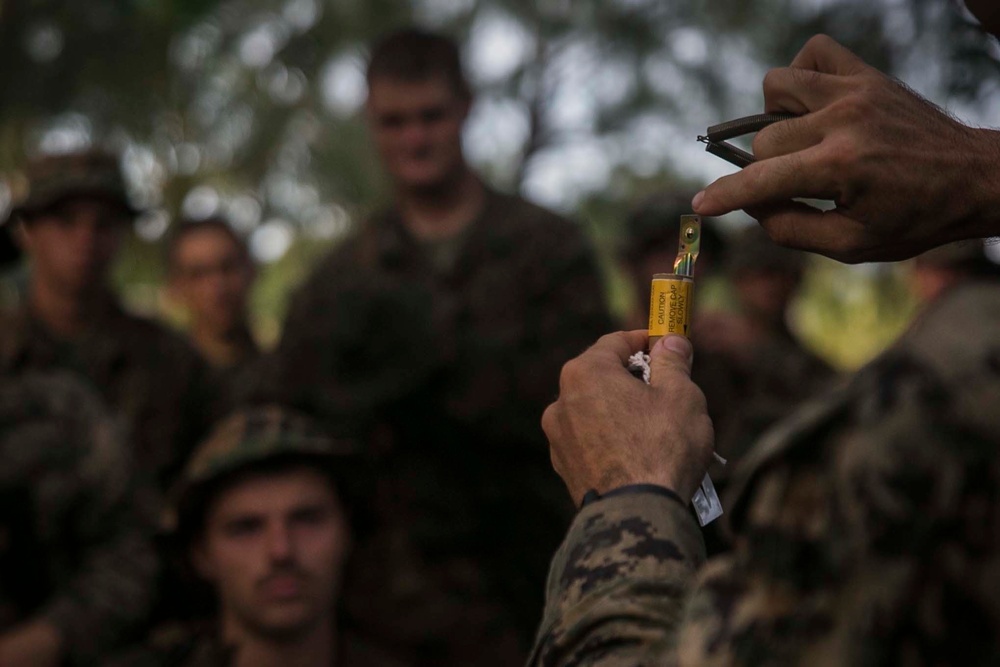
x: 286, y: 623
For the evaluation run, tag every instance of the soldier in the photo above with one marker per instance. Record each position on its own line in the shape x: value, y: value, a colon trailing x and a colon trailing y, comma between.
x: 70, y: 226
x: 436, y: 333
x: 864, y: 525
x: 261, y: 514
x: 76, y: 564
x: 768, y: 371
x: 211, y: 274
x: 937, y: 271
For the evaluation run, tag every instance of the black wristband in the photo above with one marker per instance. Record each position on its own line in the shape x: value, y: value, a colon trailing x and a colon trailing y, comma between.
x: 593, y: 496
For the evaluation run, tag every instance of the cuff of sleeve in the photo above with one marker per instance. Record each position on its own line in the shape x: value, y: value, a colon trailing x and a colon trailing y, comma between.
x: 593, y: 496
x: 630, y: 536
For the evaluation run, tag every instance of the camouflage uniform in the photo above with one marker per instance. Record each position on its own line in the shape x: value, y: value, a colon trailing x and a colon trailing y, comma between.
x: 443, y: 359
x: 145, y: 373
x: 866, y: 530
x: 200, y: 646
x: 74, y: 541
x: 250, y: 438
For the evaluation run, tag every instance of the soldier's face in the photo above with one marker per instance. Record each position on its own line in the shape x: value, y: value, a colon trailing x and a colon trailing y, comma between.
x: 211, y: 276
x: 417, y: 127
x: 274, y: 547
x: 73, y: 244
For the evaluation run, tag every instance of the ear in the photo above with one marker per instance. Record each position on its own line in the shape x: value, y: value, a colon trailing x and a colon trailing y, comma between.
x: 200, y: 561
x: 19, y: 232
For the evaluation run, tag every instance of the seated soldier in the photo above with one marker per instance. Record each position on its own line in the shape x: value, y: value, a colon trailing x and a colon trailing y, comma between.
x: 261, y: 516
x: 76, y: 565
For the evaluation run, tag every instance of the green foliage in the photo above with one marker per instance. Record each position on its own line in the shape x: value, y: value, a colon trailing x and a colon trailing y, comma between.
x: 258, y: 100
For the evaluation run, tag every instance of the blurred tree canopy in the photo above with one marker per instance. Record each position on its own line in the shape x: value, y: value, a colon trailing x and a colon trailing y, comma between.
x: 251, y: 108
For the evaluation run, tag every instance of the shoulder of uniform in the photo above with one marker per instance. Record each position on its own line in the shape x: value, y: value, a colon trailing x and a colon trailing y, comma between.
x: 959, y: 334
x: 157, y: 336
x: 173, y: 645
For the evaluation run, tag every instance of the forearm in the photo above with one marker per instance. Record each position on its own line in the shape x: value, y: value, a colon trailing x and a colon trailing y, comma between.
x: 983, y: 185
x: 36, y: 643
x: 620, y: 583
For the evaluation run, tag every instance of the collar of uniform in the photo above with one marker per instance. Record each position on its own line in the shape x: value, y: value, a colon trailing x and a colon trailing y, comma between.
x: 798, y: 430
x: 489, y: 230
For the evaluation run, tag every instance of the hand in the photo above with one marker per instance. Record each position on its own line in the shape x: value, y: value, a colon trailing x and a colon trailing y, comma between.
x: 905, y: 176
x: 34, y: 644
x: 608, y: 429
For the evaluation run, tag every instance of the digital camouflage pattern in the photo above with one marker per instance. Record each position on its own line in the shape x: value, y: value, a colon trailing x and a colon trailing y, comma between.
x: 442, y: 360
x: 145, y: 373
x: 199, y: 645
x: 74, y: 537
x: 866, y: 530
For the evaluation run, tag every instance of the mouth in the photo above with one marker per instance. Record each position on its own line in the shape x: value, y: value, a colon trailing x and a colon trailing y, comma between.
x: 282, y: 587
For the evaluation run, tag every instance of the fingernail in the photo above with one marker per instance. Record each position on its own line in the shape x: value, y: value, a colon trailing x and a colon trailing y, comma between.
x: 677, y: 344
x: 696, y: 202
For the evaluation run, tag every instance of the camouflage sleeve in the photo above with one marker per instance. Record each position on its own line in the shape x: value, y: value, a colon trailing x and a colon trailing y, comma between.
x: 619, y: 585
x: 108, y: 581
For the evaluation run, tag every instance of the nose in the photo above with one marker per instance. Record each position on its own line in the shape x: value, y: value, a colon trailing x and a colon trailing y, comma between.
x: 415, y: 134
x: 279, y: 542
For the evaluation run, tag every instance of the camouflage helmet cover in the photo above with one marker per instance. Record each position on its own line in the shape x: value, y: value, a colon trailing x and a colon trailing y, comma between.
x: 246, y: 439
x: 53, y: 178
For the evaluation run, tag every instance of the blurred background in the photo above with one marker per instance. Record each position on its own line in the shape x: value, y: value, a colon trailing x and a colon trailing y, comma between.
x: 251, y: 109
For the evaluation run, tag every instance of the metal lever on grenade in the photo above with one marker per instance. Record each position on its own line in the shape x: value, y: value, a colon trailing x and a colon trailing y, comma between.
x: 716, y: 136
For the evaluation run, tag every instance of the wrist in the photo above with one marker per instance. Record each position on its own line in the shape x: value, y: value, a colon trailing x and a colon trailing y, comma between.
x: 982, y: 183
x: 593, y: 496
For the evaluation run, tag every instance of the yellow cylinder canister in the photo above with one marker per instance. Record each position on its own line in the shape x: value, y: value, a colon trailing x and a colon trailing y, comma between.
x: 669, y: 306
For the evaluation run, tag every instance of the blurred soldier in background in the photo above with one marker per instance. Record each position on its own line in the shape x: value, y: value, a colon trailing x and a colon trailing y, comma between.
x: 211, y: 274
x: 767, y: 370
x: 436, y: 334
x: 70, y: 226
x: 261, y: 515
x: 939, y: 270
x: 76, y: 563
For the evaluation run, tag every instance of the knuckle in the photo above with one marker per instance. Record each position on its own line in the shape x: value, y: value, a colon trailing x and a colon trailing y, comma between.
x: 772, y: 82
x: 548, y: 420
x: 569, y: 374
x: 805, y: 78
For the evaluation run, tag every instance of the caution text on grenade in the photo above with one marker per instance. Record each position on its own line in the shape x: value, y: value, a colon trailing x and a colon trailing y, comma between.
x: 670, y: 306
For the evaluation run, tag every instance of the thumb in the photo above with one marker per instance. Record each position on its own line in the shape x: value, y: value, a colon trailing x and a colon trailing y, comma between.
x: 671, y: 354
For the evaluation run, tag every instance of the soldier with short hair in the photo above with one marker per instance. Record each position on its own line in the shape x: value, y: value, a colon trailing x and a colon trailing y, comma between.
x: 70, y: 225
x: 262, y: 516
x: 435, y: 334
